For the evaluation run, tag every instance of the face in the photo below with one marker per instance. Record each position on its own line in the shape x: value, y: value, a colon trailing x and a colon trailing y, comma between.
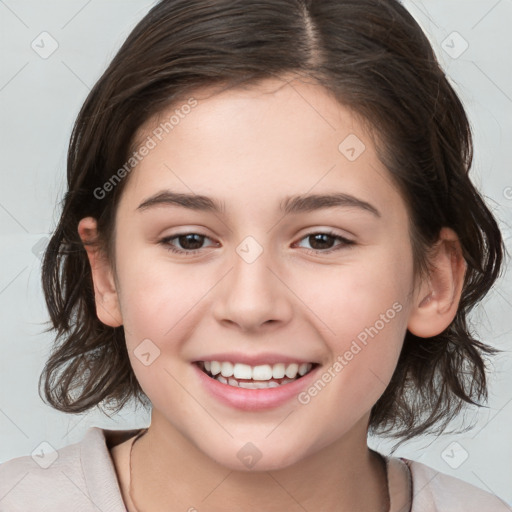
x: 277, y: 279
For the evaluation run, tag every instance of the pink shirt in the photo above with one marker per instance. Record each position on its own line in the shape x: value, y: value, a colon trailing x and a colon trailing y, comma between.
x: 82, y: 478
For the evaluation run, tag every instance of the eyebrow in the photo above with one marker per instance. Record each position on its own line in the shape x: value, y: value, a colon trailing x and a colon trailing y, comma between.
x: 290, y: 205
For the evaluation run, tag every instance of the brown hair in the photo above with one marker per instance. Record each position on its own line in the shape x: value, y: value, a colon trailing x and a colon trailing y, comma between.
x: 375, y: 59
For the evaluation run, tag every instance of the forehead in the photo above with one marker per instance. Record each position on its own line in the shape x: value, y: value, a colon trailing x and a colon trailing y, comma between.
x: 269, y: 140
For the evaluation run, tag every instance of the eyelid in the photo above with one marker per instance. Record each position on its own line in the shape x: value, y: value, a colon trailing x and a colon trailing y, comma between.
x: 345, y: 242
x: 167, y: 239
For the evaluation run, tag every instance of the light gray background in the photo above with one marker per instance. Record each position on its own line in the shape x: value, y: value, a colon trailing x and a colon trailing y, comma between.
x: 39, y: 100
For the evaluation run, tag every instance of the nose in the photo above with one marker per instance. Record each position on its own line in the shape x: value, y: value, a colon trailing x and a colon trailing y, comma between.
x: 253, y: 295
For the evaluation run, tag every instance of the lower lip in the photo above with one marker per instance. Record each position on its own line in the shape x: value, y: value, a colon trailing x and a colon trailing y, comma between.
x: 255, y: 399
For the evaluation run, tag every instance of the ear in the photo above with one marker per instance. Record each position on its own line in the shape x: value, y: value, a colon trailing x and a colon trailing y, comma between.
x: 105, y: 293
x: 438, y: 298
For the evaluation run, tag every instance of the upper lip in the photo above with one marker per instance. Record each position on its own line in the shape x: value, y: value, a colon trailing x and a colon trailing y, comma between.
x: 254, y: 360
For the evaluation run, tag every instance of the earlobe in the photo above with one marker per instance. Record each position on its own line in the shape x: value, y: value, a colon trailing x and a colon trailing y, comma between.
x: 439, y: 295
x: 105, y: 293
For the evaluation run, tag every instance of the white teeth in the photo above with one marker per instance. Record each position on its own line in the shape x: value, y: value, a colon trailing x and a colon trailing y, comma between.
x: 226, y: 369
x: 291, y: 370
x: 215, y: 367
x: 261, y: 373
x: 252, y: 385
x: 242, y: 371
x: 303, y: 369
x: 278, y: 371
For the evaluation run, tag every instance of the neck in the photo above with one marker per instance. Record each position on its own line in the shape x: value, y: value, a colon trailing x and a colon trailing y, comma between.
x: 342, y: 477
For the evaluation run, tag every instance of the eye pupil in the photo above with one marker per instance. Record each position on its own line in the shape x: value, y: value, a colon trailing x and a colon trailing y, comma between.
x: 185, y: 240
x: 319, y: 237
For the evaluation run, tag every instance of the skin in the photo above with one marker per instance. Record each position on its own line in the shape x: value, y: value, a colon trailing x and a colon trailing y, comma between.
x: 251, y: 148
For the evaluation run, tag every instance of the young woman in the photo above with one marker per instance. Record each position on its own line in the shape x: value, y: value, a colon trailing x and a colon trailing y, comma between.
x: 270, y: 238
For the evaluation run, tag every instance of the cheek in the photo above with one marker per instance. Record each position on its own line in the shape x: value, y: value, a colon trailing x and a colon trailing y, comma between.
x: 352, y: 296
x: 157, y: 294
x: 158, y: 308
x: 364, y: 308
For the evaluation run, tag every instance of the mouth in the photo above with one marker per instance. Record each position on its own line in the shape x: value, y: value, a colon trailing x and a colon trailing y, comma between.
x: 255, y: 377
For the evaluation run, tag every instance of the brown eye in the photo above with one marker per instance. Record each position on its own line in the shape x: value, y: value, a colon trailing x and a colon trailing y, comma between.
x: 188, y: 243
x: 323, y: 242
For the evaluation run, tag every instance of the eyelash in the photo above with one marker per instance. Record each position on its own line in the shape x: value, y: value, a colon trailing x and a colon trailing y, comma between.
x: 346, y: 243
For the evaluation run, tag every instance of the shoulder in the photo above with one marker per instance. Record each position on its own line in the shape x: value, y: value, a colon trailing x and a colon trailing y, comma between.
x: 434, y: 491
x: 45, y: 479
x: 80, y: 475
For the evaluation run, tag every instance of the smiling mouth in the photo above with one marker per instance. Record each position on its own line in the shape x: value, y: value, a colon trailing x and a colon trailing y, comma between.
x: 255, y: 377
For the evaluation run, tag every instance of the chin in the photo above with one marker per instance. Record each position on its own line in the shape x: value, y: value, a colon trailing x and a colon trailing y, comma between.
x: 254, y: 457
